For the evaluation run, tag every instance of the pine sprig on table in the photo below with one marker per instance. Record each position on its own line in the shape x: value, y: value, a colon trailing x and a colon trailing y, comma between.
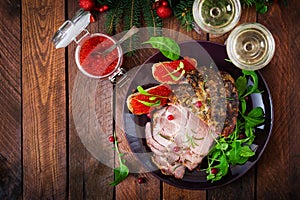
x: 130, y: 12
x: 114, y: 16
x: 260, y: 5
x: 150, y: 17
x: 183, y: 12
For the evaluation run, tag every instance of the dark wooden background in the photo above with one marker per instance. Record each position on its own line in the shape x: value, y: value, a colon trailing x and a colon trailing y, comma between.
x: 41, y: 155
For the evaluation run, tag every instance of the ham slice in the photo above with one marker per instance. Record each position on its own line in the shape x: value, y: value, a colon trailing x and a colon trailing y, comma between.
x: 179, y: 143
x: 173, y: 72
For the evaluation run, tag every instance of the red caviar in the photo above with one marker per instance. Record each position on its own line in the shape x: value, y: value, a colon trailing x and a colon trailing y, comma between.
x: 93, y: 62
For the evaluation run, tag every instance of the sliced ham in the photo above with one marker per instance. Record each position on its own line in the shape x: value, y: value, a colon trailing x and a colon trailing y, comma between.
x: 179, y: 143
x: 173, y: 72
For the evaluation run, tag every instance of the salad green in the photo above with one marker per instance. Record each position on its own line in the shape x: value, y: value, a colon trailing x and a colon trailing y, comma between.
x: 237, y: 147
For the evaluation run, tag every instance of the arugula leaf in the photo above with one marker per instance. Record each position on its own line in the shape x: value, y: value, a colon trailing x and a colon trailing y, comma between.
x: 241, y: 85
x: 255, y: 81
x: 167, y: 46
x: 255, y: 117
x: 234, y: 154
x: 246, y: 151
x: 121, y: 172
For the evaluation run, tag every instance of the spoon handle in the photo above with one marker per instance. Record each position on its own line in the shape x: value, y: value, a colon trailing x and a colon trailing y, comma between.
x: 133, y: 30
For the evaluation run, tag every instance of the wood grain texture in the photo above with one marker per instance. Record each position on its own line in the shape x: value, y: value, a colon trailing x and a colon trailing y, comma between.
x: 88, y: 177
x: 10, y: 98
x: 278, y: 171
x: 44, y: 102
x: 243, y: 188
x: 173, y: 193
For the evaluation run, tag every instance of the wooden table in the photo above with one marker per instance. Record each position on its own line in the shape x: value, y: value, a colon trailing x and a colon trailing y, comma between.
x: 41, y: 155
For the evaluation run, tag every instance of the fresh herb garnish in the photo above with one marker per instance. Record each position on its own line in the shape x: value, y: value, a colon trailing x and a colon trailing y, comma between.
x: 155, y: 104
x: 167, y: 46
x: 122, y: 171
x: 234, y: 149
x: 141, y: 90
x: 191, y: 140
x: 171, y: 74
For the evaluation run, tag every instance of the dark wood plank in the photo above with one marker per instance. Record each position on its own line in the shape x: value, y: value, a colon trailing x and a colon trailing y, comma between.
x: 44, y: 102
x: 88, y: 177
x: 278, y: 171
x: 10, y: 98
x: 174, y: 193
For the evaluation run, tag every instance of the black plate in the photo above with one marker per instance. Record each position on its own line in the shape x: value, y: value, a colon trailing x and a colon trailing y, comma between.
x: 134, y: 125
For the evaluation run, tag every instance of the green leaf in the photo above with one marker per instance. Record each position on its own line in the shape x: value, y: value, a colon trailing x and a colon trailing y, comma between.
x: 155, y: 104
x: 255, y: 117
x: 261, y: 8
x: 243, y: 105
x: 246, y: 151
x: 152, y: 98
x: 241, y: 85
x: 167, y: 46
x: 223, y: 146
x: 234, y: 154
x: 242, y: 160
x: 256, y: 113
x: 141, y: 90
x: 121, y: 173
x: 255, y: 81
x: 223, y: 166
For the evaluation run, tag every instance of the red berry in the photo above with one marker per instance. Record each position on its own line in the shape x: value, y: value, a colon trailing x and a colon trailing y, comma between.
x: 170, y: 117
x: 101, y: 9
x: 242, y: 135
x: 87, y: 4
x: 198, y: 104
x: 176, y: 149
x: 164, y: 12
x: 111, y: 138
x: 105, y: 7
x: 141, y: 180
x: 165, y: 3
x: 214, y: 170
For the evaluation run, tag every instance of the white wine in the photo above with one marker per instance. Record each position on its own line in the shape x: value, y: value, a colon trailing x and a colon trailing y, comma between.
x: 216, y: 16
x: 250, y: 46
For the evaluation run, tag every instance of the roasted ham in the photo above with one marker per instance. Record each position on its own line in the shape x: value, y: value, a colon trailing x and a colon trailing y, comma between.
x: 178, y: 142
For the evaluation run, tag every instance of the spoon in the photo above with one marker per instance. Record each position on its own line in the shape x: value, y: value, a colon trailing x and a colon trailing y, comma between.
x: 133, y: 30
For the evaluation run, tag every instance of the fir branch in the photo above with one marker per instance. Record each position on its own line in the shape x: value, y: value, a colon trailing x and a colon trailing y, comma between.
x: 113, y: 17
x: 183, y: 12
x: 151, y: 18
x: 132, y: 17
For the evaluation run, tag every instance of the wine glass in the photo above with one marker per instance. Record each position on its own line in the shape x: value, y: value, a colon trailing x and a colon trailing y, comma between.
x: 216, y: 16
x: 250, y: 46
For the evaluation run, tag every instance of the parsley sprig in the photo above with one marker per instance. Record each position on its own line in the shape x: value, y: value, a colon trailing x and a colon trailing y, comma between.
x: 233, y: 149
x: 122, y: 171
